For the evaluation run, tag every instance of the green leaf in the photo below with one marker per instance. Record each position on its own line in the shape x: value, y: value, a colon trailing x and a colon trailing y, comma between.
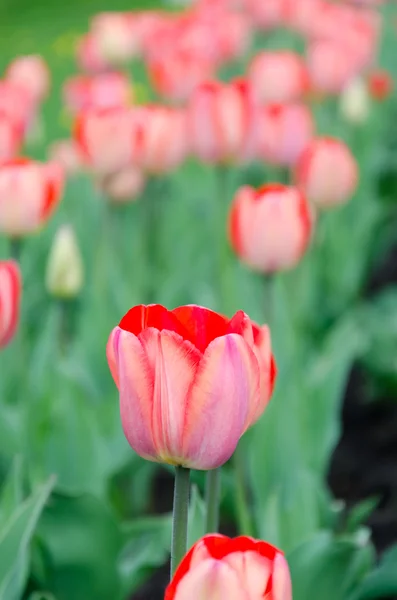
x: 15, y: 541
x: 11, y: 493
x: 382, y: 582
x: 83, y: 540
x: 361, y: 512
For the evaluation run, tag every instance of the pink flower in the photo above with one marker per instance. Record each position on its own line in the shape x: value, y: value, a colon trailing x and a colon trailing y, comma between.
x: 163, y: 143
x: 219, y: 118
x: 88, y: 55
x: 270, y: 228
x: 66, y: 153
x: 234, y: 569
x: 327, y: 172
x: 108, y: 90
x: 278, y: 77
x: 115, y: 36
x: 280, y: 132
x: 32, y: 74
x: 16, y: 104
x: 268, y: 14
x: 189, y: 382
x: 29, y: 194
x: 107, y: 138
x: 11, y: 136
x: 124, y: 186
x: 10, y: 295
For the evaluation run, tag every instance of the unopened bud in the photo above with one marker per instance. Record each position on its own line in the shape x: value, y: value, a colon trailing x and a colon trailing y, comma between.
x: 355, y: 102
x: 64, y: 277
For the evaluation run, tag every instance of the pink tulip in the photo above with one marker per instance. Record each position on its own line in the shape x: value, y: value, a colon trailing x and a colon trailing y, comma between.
x: 269, y: 14
x: 270, y: 228
x: 124, y: 186
x: 16, y: 104
x: 32, y: 74
x: 107, y: 90
x: 220, y: 568
x: 280, y: 132
x: 10, y: 294
x: 88, y: 55
x: 11, y: 136
x: 115, y: 37
x: 219, y: 119
x: 107, y: 138
x: 189, y: 382
x: 327, y: 172
x: 278, y: 77
x: 162, y: 138
x: 29, y: 194
x: 66, y: 153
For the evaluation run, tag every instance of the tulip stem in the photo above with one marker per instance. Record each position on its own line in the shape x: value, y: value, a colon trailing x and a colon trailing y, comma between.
x: 15, y: 248
x: 222, y: 189
x: 213, y: 489
x: 245, y: 524
x: 180, y: 517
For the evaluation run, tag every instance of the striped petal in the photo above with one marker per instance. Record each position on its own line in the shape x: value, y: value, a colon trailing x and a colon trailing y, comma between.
x: 218, y: 404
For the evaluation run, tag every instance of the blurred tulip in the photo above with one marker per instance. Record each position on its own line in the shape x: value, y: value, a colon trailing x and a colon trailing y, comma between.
x: 65, y: 274
x: 218, y: 567
x: 32, y: 74
x: 66, y: 153
x: 280, y: 132
x: 16, y: 104
x: 331, y: 66
x: 124, y: 186
x: 10, y: 294
x: 107, y: 138
x: 355, y: 102
x: 11, y: 136
x: 107, y: 90
x: 268, y: 14
x: 278, y: 77
x: 270, y: 228
x: 29, y: 194
x: 115, y: 36
x: 213, y: 383
x: 162, y: 138
x: 219, y: 117
x: 327, y: 172
x: 88, y: 55
x: 380, y: 84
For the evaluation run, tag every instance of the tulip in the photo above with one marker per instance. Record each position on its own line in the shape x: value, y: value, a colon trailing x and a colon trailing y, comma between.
x: 189, y: 382
x: 66, y: 153
x: 115, y: 36
x: 162, y: 138
x: 219, y: 117
x: 64, y: 276
x: 16, y: 104
x: 218, y: 567
x: 327, y: 172
x: 29, y: 194
x: 30, y: 73
x: 88, y: 55
x: 270, y: 228
x: 380, y: 84
x: 107, y: 138
x: 280, y: 132
x: 278, y: 77
x: 11, y: 136
x: 10, y: 294
x: 269, y: 14
x: 123, y: 186
x: 355, y: 102
x: 108, y: 90
x: 331, y: 66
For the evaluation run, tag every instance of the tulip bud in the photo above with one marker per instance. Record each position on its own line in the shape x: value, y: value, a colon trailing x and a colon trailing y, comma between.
x: 354, y: 102
x: 64, y: 276
x: 10, y: 296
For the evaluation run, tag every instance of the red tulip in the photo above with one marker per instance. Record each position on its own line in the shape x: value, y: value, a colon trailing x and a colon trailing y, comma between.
x: 189, y: 382
x: 380, y: 84
x: 107, y: 138
x: 108, y: 90
x: 270, y: 228
x: 29, y: 194
x: 162, y: 138
x: 279, y: 133
x: 278, y: 77
x: 10, y: 294
x: 219, y: 118
x: 30, y: 73
x: 327, y: 172
x: 218, y: 567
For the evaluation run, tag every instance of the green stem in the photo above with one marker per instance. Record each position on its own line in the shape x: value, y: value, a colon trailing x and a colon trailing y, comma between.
x: 268, y: 281
x: 213, y: 488
x: 152, y: 202
x: 221, y: 202
x: 15, y: 245
x: 244, y: 519
x: 64, y: 310
x: 179, y: 517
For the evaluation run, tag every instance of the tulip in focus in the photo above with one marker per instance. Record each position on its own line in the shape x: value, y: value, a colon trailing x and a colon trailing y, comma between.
x: 270, y: 228
x: 355, y: 102
x: 278, y: 77
x: 380, y: 84
x: 327, y: 172
x: 65, y: 275
x: 220, y: 568
x: 219, y: 117
x: 32, y: 74
x: 10, y: 295
x: 124, y: 186
x: 189, y: 382
x: 29, y: 193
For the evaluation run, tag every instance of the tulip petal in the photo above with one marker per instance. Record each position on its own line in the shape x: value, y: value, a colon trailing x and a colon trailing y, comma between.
x: 218, y: 404
x: 282, y: 586
x: 211, y: 580
x: 111, y: 350
x: 10, y: 289
x: 254, y: 571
